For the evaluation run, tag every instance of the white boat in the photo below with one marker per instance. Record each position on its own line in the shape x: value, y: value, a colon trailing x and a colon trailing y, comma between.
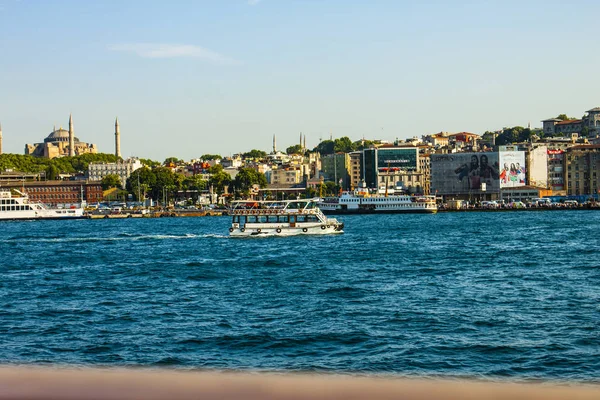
x: 280, y: 218
x: 360, y: 203
x: 18, y: 207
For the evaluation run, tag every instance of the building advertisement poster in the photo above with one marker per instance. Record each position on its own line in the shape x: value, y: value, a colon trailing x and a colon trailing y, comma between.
x: 512, y: 169
x: 464, y: 173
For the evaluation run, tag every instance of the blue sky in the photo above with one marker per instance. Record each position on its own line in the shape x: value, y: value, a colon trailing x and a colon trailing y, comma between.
x: 187, y: 78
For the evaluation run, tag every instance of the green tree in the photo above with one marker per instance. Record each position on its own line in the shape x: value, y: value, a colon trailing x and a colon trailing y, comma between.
x: 172, y: 160
x: 110, y: 181
x: 256, y: 154
x: 218, y: 178
x: 246, y: 178
x: 295, y: 149
x: 140, y: 182
x: 325, y: 147
x: 563, y: 117
x: 343, y: 145
x: 52, y: 172
x: 149, y: 163
x: 208, y: 157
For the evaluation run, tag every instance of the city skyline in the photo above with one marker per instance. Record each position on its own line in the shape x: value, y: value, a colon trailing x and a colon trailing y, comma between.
x: 190, y: 78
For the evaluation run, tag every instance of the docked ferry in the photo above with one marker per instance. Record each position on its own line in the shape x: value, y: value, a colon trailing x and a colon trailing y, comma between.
x: 18, y: 207
x: 280, y: 218
x: 358, y: 203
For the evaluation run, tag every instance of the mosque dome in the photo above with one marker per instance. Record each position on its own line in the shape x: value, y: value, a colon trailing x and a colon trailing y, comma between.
x: 59, y: 135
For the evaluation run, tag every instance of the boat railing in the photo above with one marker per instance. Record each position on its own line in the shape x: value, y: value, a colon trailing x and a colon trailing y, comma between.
x: 274, y: 211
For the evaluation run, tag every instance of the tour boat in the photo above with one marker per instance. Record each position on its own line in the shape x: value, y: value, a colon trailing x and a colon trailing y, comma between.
x: 18, y: 207
x: 363, y: 203
x: 280, y: 218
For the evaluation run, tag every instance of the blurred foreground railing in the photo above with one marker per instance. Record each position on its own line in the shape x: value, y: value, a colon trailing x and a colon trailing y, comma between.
x: 111, y: 384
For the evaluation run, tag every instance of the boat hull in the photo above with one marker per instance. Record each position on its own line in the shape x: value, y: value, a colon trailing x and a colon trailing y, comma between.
x: 286, y: 231
x: 375, y: 211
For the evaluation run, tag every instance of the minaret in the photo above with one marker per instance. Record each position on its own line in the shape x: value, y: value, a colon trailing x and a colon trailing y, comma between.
x: 71, y: 137
x: 304, y: 145
x: 274, y: 145
x: 300, y: 139
x: 117, y: 139
x: 0, y: 139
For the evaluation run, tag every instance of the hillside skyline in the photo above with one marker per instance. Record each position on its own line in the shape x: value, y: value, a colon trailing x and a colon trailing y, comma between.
x: 191, y: 78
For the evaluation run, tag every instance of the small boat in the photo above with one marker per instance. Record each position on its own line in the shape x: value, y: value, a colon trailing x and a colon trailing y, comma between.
x: 18, y: 207
x: 280, y: 218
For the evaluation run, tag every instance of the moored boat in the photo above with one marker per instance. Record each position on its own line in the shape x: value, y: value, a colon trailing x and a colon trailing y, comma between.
x: 280, y: 218
x: 355, y: 203
x: 18, y: 207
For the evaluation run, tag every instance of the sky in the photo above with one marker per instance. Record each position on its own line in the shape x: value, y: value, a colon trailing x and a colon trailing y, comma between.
x: 187, y: 78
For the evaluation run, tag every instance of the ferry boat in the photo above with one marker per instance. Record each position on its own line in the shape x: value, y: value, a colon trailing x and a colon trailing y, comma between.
x: 280, y: 218
x: 359, y: 203
x: 18, y: 207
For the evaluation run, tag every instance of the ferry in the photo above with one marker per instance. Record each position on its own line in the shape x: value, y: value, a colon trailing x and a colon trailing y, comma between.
x: 280, y: 218
x: 364, y: 203
x: 18, y: 207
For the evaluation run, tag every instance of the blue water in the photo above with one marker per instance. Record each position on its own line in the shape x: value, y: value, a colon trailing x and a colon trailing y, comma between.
x: 495, y: 295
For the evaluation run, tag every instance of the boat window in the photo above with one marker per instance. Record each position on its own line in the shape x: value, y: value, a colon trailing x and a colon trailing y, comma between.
x: 251, y: 219
x: 272, y: 218
x: 261, y: 219
x: 301, y: 218
x: 283, y: 218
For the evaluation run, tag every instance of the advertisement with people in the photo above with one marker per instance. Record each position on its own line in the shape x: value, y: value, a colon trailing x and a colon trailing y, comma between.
x: 463, y: 173
x: 512, y: 171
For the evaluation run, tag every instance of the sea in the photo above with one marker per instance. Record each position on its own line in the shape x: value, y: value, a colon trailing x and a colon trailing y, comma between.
x: 490, y: 295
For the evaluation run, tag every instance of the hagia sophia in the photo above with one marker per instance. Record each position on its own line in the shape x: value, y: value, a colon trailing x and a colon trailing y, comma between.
x: 63, y: 143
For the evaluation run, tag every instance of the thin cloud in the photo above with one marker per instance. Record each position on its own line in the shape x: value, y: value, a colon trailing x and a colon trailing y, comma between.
x: 253, y: 2
x: 157, y: 50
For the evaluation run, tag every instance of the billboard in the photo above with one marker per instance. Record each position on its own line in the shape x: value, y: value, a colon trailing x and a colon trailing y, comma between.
x: 465, y: 173
x: 512, y: 169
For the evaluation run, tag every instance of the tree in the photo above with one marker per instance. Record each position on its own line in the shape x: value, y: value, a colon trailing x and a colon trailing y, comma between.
x: 149, y: 163
x: 110, y: 181
x: 208, y: 157
x: 295, y: 149
x: 141, y: 181
x: 256, y: 154
x: 362, y: 144
x: 172, y: 160
x: 563, y: 117
x: 246, y: 178
x: 52, y: 172
x: 343, y: 145
x: 219, y: 179
x: 326, y: 147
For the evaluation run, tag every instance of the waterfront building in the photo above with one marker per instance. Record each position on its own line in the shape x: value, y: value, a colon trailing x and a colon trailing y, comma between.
x: 286, y: 176
x: 590, y: 123
x: 122, y: 168
x: 355, y: 173
x: 425, y: 168
x: 523, y: 193
x: 437, y: 140
x: 60, y: 143
x: 477, y: 176
x: 59, y: 193
x: 336, y: 168
x: 582, y: 170
x: 388, y: 169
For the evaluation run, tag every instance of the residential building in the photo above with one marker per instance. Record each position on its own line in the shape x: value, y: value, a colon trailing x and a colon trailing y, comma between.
x: 336, y: 168
x: 583, y: 170
x: 59, y: 193
x: 122, y: 168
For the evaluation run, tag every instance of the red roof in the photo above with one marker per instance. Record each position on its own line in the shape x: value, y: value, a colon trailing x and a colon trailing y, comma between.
x: 573, y: 121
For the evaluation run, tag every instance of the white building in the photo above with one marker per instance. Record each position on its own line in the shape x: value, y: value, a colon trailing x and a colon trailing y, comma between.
x: 124, y: 169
